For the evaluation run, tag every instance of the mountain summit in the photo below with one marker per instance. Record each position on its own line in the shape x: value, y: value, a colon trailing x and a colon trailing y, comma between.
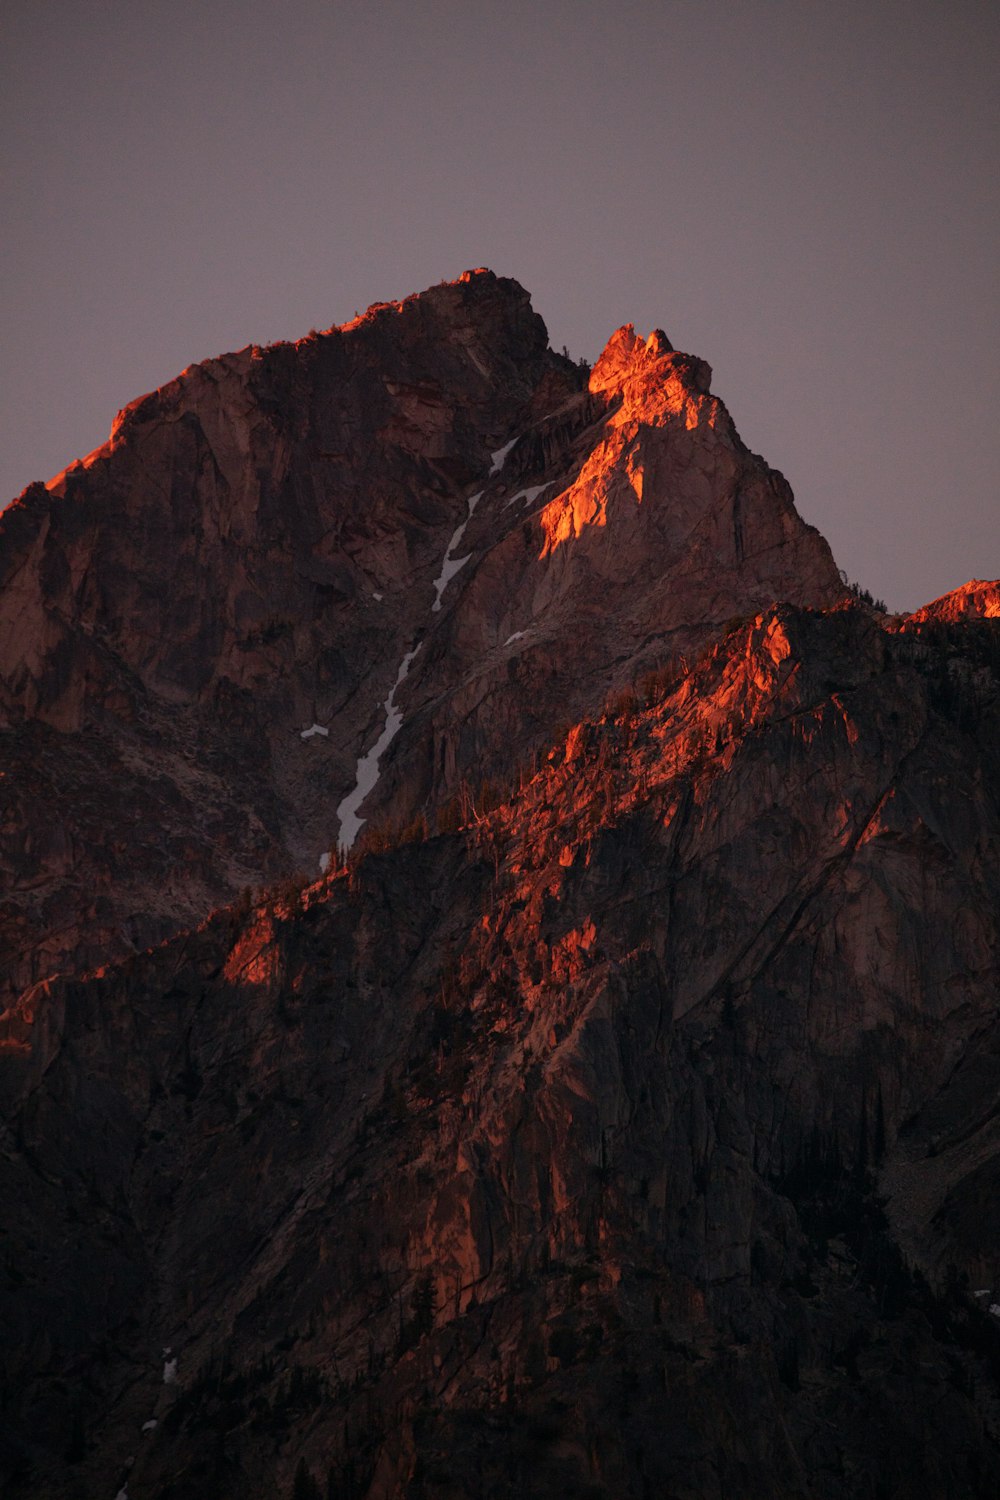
x: 609, y: 1109
x: 424, y: 521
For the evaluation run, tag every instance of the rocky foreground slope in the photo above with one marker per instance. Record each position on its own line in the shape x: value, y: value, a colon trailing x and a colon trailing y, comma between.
x: 626, y: 1126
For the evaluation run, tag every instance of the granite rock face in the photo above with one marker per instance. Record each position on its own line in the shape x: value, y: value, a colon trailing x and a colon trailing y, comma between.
x: 625, y: 1126
x: 975, y: 600
x: 202, y: 622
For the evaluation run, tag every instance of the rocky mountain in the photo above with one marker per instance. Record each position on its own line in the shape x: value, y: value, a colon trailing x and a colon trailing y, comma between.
x: 617, y: 1115
x: 201, y: 624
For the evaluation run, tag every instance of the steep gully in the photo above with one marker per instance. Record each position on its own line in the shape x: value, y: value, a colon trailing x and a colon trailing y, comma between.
x: 368, y: 766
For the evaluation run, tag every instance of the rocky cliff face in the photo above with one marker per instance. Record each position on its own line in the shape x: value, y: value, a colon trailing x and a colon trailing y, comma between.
x: 624, y: 1126
x: 202, y: 624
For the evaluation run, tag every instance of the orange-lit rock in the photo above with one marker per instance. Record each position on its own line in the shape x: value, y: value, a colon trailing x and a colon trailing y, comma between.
x: 976, y: 600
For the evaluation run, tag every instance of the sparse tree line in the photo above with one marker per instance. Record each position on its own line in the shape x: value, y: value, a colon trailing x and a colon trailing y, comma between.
x: 863, y: 595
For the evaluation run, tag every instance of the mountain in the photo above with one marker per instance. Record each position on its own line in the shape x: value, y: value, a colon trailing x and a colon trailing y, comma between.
x: 611, y: 1110
x: 262, y: 544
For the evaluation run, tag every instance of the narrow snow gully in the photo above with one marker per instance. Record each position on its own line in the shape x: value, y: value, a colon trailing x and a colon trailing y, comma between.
x: 367, y: 773
x: 499, y: 458
x: 368, y: 765
x: 452, y: 564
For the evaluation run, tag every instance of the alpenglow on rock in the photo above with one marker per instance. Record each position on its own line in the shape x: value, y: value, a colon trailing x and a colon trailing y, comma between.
x: 616, y: 1116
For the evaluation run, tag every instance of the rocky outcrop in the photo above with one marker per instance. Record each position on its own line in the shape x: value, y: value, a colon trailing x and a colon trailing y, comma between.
x: 976, y: 600
x: 657, y: 527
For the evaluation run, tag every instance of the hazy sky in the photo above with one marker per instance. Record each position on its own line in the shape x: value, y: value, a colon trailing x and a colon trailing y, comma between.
x: 804, y: 192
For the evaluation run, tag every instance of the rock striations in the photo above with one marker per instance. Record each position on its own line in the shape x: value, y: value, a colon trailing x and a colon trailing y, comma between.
x: 617, y: 1117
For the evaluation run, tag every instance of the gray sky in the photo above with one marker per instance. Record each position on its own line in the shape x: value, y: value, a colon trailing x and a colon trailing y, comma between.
x: 803, y: 193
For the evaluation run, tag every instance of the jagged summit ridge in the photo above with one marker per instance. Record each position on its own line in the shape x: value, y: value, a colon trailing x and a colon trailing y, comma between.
x: 188, y: 388
x: 978, y: 599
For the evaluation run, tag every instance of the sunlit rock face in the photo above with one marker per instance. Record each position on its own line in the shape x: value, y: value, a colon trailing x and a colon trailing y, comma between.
x: 973, y: 601
x: 624, y: 1125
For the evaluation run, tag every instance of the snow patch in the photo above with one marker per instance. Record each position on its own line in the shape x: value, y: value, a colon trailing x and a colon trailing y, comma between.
x: 122, y: 1493
x: 367, y: 772
x: 150, y: 1426
x: 324, y: 861
x: 530, y: 495
x: 307, y: 734
x: 170, y: 1372
x: 517, y: 636
x: 378, y: 597
x: 451, y: 563
x: 500, y: 456
x: 995, y: 1309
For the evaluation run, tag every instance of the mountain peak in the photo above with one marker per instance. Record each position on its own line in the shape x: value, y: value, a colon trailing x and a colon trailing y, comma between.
x: 979, y: 599
x: 626, y: 354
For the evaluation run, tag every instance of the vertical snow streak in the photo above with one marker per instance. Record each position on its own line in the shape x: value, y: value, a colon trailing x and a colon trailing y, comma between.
x: 499, y: 458
x: 367, y: 774
x: 451, y: 564
x: 368, y: 765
